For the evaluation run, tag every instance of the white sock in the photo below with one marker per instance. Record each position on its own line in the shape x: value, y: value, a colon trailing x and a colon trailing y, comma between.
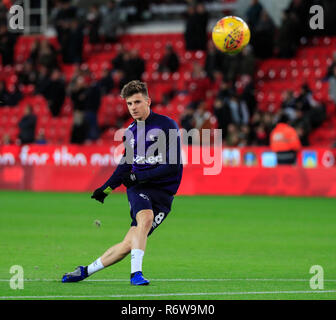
x: 136, y: 260
x: 95, y: 266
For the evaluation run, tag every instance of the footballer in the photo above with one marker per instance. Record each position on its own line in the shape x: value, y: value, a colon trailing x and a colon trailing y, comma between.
x: 151, y: 179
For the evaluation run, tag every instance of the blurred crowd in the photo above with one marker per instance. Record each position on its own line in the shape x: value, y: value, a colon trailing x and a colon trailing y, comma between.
x: 216, y: 82
x: 236, y: 109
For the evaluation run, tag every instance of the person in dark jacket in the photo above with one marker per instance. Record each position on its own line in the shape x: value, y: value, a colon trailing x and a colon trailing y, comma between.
x: 55, y: 93
x: 170, y: 61
x: 7, y: 44
x: 195, y: 33
x: 27, y: 126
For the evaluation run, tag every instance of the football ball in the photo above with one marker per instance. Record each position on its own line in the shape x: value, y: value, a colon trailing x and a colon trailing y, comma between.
x: 231, y: 34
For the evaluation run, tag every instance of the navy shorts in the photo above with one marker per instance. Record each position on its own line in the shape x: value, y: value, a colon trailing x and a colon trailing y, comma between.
x: 141, y: 198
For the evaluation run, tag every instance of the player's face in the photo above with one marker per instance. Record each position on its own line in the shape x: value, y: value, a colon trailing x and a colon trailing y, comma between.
x: 138, y: 106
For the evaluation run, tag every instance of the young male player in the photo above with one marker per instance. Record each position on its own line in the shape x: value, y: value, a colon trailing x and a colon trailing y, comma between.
x: 152, y: 180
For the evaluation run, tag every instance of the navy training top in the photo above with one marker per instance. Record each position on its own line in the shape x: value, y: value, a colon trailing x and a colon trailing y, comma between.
x: 153, y: 152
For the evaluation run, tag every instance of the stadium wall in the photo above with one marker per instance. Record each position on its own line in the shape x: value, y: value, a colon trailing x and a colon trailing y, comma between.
x: 242, y: 171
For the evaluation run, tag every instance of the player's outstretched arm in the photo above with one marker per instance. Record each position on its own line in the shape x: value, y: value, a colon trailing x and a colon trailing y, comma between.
x: 113, y: 182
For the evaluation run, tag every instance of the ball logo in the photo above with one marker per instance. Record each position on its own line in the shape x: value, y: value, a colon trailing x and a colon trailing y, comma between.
x: 233, y: 40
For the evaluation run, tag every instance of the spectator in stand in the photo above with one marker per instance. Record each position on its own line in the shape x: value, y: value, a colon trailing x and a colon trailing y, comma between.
x: 27, y: 126
x: 303, y: 135
x: 287, y: 39
x: 268, y: 122
x: 6, y: 140
x: 93, y: 21
x: 213, y: 61
x: 248, y: 93
x: 80, y: 128
x: 73, y: 45
x: 91, y: 111
x: 189, y: 30
x: 329, y: 7
x: 47, y: 55
x: 113, y: 19
x: 7, y: 44
x: 285, y: 142
x: 106, y: 83
x: 64, y: 13
x: 43, y: 81
x: 332, y: 84
x: 263, y: 38
x: 79, y: 93
x: 330, y: 70
x: 170, y: 61
x: 34, y: 53
x: 253, y: 14
x: 138, y: 64
x: 187, y: 119
x: 232, y: 137
x: 247, y: 63
x: 245, y: 138
x: 224, y: 91
x: 86, y: 97
x: 231, y: 67
x: 258, y: 132
x: 198, y: 86
x: 63, y: 39
x: 202, y: 26
x: 40, y: 138
x: 187, y: 122
x: 80, y: 71
x: 309, y: 110
x: 132, y: 68
x: 201, y: 116
x: 55, y: 92
x: 15, y: 95
x: 119, y: 60
x: 238, y: 109
x: 288, y: 106
x: 28, y: 74
x: 261, y: 137
x: 195, y: 34
x: 300, y: 10
x: 234, y: 66
x: 4, y: 94
x: 3, y: 13
x: 223, y: 115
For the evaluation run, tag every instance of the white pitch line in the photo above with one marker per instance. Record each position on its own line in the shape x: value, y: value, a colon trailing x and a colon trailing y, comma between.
x: 169, y: 294
x: 177, y: 280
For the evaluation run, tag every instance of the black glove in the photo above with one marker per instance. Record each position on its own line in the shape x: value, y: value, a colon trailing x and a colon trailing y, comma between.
x: 99, y: 195
x: 129, y: 179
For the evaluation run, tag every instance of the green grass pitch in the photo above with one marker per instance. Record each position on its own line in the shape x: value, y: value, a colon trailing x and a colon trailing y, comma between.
x: 209, y: 247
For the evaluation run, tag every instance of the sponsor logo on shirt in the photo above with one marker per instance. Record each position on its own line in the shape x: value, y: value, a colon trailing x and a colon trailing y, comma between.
x: 149, y: 160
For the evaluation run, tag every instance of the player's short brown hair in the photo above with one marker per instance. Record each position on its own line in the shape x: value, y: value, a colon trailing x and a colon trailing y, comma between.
x: 134, y: 87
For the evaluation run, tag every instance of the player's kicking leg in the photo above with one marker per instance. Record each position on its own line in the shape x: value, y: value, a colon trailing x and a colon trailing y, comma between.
x: 134, y: 242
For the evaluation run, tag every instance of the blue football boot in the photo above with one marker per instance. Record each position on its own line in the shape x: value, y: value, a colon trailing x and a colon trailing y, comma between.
x: 137, y: 279
x: 79, y: 274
